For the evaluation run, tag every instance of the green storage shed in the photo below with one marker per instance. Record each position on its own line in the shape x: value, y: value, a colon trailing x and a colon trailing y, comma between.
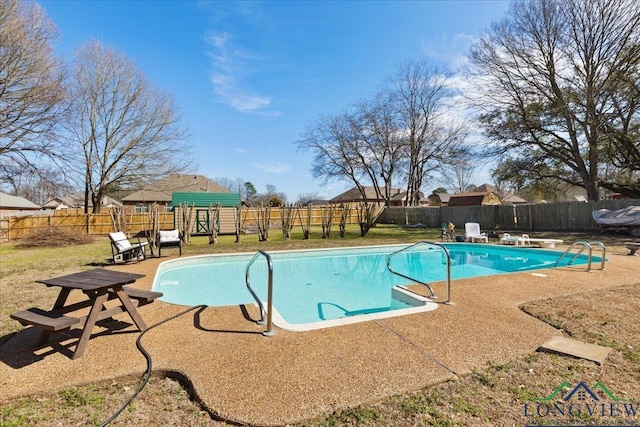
x: 229, y: 203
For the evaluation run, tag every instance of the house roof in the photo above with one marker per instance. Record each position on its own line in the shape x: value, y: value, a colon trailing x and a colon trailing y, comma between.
x: 67, y: 201
x: 471, y: 199
x: 353, y: 195
x: 161, y: 190
x: 487, y: 188
x: 77, y: 201
x: 7, y: 201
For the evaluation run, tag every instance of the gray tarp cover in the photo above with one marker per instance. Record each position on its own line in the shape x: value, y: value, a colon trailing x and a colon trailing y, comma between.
x: 622, y: 217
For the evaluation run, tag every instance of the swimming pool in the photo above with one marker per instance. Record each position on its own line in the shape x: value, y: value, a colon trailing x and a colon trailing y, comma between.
x: 327, y: 287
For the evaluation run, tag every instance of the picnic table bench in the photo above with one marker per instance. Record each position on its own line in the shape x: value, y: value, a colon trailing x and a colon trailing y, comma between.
x: 55, y: 321
x: 43, y: 319
x: 100, y: 286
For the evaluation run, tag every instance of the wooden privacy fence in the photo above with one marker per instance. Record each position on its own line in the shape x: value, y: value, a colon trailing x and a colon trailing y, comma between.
x: 72, y: 221
x: 561, y: 216
x: 75, y: 221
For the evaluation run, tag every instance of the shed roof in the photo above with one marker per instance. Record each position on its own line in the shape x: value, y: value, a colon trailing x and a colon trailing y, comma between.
x: 226, y: 200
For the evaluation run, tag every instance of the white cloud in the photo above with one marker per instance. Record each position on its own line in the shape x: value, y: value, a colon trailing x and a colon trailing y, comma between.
x: 231, y: 67
x: 273, y: 167
x: 450, y: 49
x: 241, y: 150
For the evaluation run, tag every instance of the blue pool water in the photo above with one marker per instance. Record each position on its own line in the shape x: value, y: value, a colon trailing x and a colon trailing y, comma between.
x: 318, y: 285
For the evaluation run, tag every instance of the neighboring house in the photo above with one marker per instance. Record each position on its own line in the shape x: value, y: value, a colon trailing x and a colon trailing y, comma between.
x: 316, y: 202
x: 161, y: 191
x: 507, y: 199
x: 487, y: 188
x: 76, y: 201
x: 9, y: 203
x: 474, y: 199
x: 398, y: 197
x: 439, y: 199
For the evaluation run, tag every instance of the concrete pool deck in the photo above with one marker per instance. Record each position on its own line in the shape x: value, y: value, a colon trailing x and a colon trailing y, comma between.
x: 245, y: 377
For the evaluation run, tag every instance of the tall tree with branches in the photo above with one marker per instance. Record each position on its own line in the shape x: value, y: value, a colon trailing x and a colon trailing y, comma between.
x: 418, y: 92
x: 459, y: 172
x: 31, y: 90
x: 380, y: 148
x: 403, y: 129
x: 554, y: 78
x: 336, y: 150
x: 126, y: 129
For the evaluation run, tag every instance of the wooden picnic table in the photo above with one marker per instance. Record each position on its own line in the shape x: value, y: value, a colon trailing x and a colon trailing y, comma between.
x: 99, y: 285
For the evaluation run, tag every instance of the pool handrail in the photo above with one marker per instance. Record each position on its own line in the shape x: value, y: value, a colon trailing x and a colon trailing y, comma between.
x: 604, y: 252
x: 268, y: 332
x: 422, y: 242
x: 584, y: 245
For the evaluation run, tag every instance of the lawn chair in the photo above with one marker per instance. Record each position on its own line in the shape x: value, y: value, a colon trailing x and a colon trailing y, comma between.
x: 169, y: 238
x: 472, y: 233
x: 123, y: 250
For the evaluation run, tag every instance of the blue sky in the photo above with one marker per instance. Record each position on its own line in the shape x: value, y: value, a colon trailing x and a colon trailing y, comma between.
x: 249, y: 77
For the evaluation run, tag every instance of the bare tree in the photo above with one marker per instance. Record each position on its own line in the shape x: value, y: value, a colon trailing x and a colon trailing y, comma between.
x: 271, y: 197
x: 419, y: 91
x: 234, y: 185
x: 403, y: 128
x: 334, y: 145
x: 31, y: 89
x: 126, y: 129
x: 552, y: 75
x: 459, y: 170
x: 381, y: 148
x: 355, y: 146
x: 622, y: 146
x: 40, y: 187
x: 305, y: 199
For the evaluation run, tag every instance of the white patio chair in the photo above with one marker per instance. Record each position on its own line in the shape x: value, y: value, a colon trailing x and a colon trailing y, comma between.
x: 169, y: 238
x: 472, y: 233
x: 123, y: 250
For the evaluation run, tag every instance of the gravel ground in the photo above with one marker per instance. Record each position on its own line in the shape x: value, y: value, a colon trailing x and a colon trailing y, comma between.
x: 492, y: 395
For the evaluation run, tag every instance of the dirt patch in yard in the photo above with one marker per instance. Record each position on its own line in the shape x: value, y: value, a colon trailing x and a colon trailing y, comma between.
x: 52, y: 237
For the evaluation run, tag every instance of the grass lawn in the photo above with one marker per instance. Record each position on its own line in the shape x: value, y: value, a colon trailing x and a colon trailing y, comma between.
x: 489, y: 396
x: 21, y: 266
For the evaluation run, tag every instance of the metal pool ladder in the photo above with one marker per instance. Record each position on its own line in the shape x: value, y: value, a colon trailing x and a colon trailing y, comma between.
x: 446, y: 251
x: 269, y: 331
x: 584, y: 245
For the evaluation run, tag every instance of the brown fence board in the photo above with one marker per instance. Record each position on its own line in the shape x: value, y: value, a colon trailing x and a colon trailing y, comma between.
x: 100, y: 224
x: 562, y: 216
